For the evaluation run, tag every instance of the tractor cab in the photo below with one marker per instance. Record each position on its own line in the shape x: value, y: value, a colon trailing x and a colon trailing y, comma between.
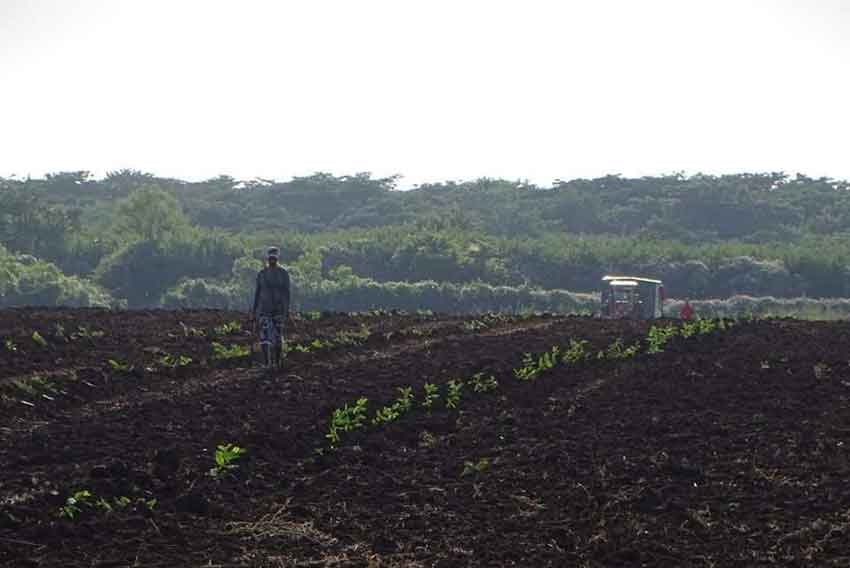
x: 631, y: 297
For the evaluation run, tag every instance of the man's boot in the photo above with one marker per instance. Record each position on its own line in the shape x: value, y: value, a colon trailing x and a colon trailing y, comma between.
x: 267, y: 356
x: 278, y: 356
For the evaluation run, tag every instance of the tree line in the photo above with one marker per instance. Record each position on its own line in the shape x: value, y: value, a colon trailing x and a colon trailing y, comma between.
x: 135, y: 239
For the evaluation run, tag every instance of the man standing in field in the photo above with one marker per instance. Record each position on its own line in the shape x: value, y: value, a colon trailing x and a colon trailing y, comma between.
x: 271, y: 308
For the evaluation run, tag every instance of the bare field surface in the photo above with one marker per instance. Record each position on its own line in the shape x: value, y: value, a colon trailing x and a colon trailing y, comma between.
x: 727, y: 448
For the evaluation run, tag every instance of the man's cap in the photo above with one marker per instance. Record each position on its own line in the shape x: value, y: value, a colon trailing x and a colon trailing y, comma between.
x: 274, y: 252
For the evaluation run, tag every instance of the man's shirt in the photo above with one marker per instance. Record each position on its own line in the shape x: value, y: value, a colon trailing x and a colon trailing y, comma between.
x: 272, y: 294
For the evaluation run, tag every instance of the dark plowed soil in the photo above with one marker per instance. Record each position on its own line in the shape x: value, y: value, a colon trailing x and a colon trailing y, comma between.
x: 725, y: 449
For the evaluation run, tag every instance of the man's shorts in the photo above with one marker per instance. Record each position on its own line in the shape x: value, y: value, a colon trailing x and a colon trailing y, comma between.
x: 271, y: 329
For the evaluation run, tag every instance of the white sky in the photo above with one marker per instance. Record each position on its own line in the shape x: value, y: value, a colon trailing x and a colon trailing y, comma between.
x: 432, y: 89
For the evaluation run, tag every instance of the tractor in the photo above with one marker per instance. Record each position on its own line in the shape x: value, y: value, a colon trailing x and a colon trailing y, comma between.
x: 631, y: 297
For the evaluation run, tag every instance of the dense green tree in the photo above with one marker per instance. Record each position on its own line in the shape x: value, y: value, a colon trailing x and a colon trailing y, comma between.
x: 28, y: 224
x: 25, y: 280
x: 121, y: 183
x: 141, y: 271
x: 149, y: 214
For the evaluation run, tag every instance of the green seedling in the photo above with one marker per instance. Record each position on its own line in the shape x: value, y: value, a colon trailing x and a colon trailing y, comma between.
x: 705, y: 326
x: 225, y: 458
x: 402, y: 405
x: 83, y: 332
x: 453, y: 393
x: 472, y: 468
x: 314, y: 345
x: 528, y: 370
x: 36, y: 336
x: 175, y: 361
x: 577, y: 352
x: 122, y: 502
x: 689, y: 329
x: 342, y: 338
x: 533, y: 366
x: 352, y: 338
x: 377, y: 313
x: 85, y: 499
x: 59, y: 331
x: 120, y: 366
x: 482, y: 384
x: 74, y: 504
x: 617, y: 351
x: 103, y: 505
x: 10, y: 346
x: 385, y: 414
x: 475, y: 325
x: 404, y: 402
x: 36, y: 386
x: 432, y: 395
x: 346, y: 419
x: 548, y: 359
x: 230, y: 351
x: 229, y: 328
x: 658, y: 337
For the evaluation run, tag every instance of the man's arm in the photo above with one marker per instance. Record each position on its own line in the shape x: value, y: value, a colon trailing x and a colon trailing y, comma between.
x: 256, y: 297
x: 286, y: 294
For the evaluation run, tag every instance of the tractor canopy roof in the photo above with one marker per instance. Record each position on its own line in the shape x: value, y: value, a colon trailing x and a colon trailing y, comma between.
x: 623, y: 283
x: 612, y: 280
